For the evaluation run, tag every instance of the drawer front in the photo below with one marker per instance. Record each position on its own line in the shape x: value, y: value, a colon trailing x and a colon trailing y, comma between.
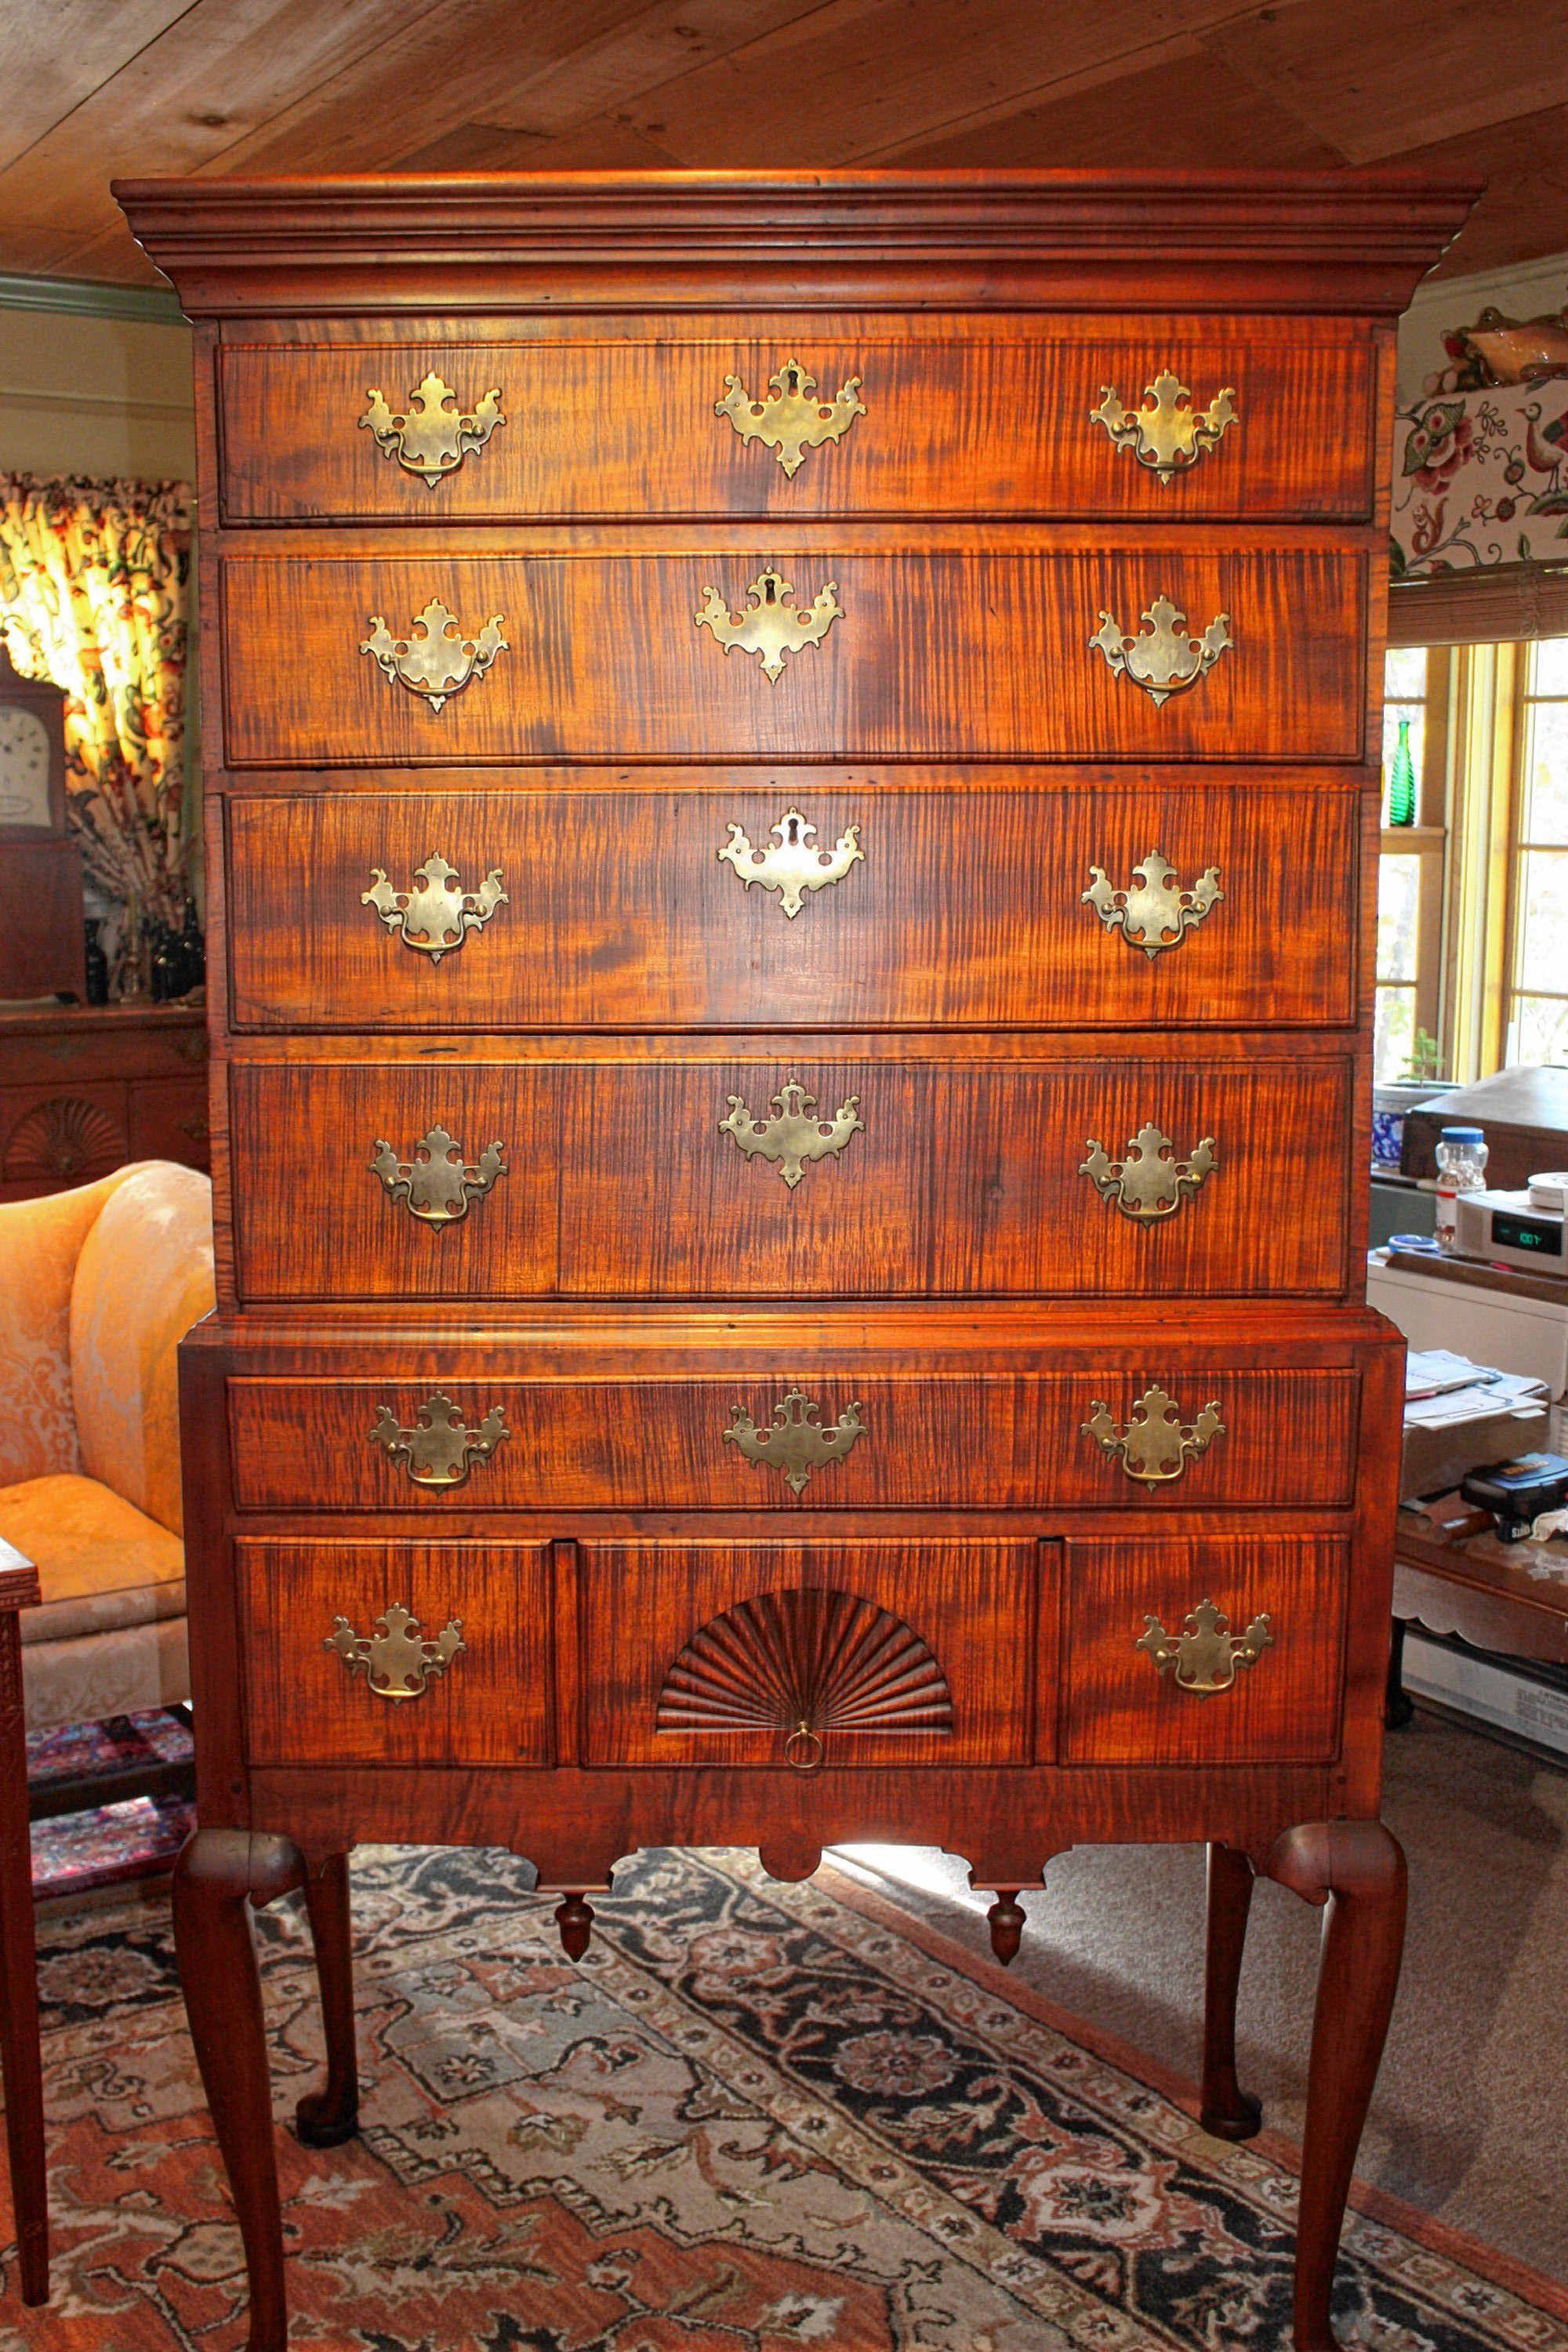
x: 958, y: 422
x: 930, y: 656
x: 804, y: 1657
x: 1253, y: 1678
x: 881, y: 1441
x: 325, y: 1660
x: 665, y: 1181
x: 99, y: 1046
x: 962, y: 908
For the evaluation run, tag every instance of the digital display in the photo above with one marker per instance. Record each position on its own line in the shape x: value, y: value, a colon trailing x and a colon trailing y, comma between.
x: 1543, y: 1239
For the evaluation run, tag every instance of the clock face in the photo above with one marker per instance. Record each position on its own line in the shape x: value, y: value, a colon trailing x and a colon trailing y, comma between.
x: 24, y: 767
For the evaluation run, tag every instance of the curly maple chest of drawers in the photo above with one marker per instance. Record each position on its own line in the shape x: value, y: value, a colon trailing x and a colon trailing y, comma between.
x: 790, y: 797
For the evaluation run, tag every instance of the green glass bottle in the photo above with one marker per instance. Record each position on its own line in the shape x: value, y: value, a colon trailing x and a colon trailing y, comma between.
x: 1402, y: 781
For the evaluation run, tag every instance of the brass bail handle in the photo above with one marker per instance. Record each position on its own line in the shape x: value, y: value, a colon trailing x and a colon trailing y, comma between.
x: 804, y: 1749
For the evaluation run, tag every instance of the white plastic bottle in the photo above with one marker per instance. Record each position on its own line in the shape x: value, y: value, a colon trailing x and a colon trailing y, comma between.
x: 1462, y: 1168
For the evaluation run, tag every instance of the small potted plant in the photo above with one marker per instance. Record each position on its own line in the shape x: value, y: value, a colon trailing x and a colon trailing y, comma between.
x: 1391, y: 1098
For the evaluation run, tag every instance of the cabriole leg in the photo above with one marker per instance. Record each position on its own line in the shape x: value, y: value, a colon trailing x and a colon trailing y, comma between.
x: 1228, y: 2111
x: 327, y: 2117
x: 1357, y: 1869
x: 218, y: 1874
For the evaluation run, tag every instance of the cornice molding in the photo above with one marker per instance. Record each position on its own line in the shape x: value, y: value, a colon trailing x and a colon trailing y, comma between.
x: 1354, y: 242
x: 92, y: 299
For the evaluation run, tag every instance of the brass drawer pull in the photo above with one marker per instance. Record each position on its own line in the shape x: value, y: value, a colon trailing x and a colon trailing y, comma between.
x: 397, y: 1661
x: 439, y: 1451
x: 1151, y: 1182
x: 790, y: 418
x: 772, y: 626
x: 433, y: 435
x: 792, y: 864
x: 1165, y: 432
x: 1154, y: 1447
x: 1162, y: 658
x: 1151, y: 915
x: 1205, y: 1654
x: 795, y: 1445
x: 437, y: 916
x: 796, y: 1134
x: 438, y: 1183
x: 435, y: 660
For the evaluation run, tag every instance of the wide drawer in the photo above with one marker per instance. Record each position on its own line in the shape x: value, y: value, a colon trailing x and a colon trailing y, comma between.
x: 1286, y: 1438
x: 907, y: 1652
x: 351, y: 1652
x: 496, y: 1180
x: 962, y: 656
x: 629, y: 909
x: 1217, y: 1649
x: 960, y: 420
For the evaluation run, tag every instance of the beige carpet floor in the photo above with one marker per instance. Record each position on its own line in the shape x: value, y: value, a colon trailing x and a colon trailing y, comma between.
x: 1470, y: 2119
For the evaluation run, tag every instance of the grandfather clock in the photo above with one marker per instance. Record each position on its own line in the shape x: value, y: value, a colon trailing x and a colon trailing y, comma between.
x: 42, y: 942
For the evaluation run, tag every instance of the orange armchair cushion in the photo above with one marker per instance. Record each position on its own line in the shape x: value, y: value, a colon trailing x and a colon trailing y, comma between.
x: 102, y: 1564
x: 143, y: 1277
x: 40, y: 1242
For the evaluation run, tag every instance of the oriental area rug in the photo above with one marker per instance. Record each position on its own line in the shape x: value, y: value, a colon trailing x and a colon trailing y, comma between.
x: 754, y: 2116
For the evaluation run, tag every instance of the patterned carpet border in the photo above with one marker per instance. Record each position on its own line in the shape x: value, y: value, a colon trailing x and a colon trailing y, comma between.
x: 754, y: 2116
x: 1368, y: 2203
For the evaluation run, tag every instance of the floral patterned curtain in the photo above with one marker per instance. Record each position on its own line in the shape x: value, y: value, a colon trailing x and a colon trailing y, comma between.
x: 1481, y: 478
x: 92, y: 597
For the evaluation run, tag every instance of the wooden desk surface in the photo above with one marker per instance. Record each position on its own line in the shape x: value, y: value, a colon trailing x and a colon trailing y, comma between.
x: 1511, y: 1597
x: 18, y: 1579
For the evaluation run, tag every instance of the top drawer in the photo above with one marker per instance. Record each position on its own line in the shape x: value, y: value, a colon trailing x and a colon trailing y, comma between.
x: 954, y: 418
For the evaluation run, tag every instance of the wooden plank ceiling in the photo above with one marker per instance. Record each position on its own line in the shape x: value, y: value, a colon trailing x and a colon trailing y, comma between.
x: 97, y: 88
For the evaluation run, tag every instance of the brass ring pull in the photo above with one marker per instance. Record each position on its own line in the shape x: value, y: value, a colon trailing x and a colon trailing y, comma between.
x: 1151, y: 915
x: 1151, y: 1182
x: 1163, y: 659
x: 437, y: 915
x: 1205, y: 1654
x: 1156, y: 1444
x: 435, y: 660
x: 804, y: 1749
x: 433, y: 435
x: 1165, y: 432
x: 398, y: 1661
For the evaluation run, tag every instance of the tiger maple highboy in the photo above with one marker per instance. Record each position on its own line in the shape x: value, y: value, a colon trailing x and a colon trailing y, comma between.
x: 790, y: 809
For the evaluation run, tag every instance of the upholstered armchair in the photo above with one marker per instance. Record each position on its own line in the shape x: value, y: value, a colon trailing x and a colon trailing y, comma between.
x: 98, y: 1286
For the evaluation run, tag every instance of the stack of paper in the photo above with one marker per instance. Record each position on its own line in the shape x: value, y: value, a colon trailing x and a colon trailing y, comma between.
x: 1442, y: 1389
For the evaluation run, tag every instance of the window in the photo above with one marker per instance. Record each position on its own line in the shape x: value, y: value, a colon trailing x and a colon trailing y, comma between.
x: 1536, y: 1012
x: 1410, y: 873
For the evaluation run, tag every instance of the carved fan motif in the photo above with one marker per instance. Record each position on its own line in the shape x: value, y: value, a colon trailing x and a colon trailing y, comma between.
x: 65, y: 1136
x: 805, y: 1663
